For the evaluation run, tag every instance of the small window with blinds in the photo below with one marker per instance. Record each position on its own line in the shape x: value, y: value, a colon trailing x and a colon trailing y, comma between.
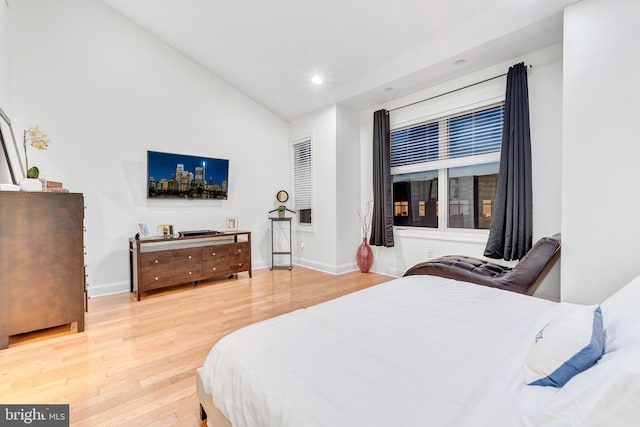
x: 303, y: 181
x: 454, y: 158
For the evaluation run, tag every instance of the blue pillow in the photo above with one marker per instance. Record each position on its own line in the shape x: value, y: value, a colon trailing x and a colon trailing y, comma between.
x: 566, y: 346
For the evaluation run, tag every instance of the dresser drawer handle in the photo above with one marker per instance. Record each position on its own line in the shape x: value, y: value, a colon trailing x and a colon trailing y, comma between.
x: 156, y: 261
x: 239, y: 250
x: 156, y: 278
x: 190, y: 273
x: 213, y: 254
x: 214, y: 269
x: 189, y: 256
x: 239, y: 265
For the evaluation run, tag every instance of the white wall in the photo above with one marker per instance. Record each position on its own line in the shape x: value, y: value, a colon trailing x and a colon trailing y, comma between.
x: 5, y: 62
x: 106, y: 91
x: 319, y: 245
x: 332, y: 244
x: 600, y: 173
x: 545, y: 111
x: 5, y: 80
x: 545, y: 94
x: 349, y: 235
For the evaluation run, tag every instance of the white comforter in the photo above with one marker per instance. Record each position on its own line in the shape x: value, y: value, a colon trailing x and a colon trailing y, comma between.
x: 417, y: 351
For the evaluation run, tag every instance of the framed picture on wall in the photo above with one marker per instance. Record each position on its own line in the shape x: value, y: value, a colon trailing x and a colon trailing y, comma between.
x: 232, y: 223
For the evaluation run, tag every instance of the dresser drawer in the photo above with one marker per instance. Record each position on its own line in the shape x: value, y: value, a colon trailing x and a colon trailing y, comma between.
x: 242, y: 250
x: 166, y: 258
x: 217, y: 252
x: 181, y: 256
x: 215, y: 268
x: 155, y: 259
x: 239, y: 265
x: 160, y: 277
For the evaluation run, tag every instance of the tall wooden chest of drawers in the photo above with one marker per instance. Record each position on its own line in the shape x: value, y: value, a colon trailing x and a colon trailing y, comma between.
x: 42, y: 278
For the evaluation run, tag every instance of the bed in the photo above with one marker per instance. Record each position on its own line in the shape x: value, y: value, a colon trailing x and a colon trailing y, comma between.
x: 423, y: 350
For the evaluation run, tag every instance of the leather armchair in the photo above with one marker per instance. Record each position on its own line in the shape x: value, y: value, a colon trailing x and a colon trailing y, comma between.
x: 524, y: 278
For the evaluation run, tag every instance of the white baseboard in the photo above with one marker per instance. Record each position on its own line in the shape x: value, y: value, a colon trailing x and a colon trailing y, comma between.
x: 319, y: 266
x: 326, y: 268
x: 335, y: 270
x: 259, y: 265
x: 314, y: 266
x: 108, y: 289
x: 347, y: 268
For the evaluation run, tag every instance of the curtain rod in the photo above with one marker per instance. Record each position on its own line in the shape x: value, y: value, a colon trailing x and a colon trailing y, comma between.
x: 452, y: 91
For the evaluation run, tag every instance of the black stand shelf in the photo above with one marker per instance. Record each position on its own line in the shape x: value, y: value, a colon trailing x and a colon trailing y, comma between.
x: 280, y: 252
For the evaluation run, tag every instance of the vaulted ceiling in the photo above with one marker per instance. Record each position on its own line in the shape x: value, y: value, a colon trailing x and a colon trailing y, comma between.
x: 366, y: 51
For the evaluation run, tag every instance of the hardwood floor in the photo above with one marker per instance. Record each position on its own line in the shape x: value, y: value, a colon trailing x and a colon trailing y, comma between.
x: 135, y: 363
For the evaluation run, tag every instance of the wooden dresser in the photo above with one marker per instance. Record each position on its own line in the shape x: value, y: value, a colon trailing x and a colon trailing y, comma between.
x: 160, y: 262
x: 42, y: 281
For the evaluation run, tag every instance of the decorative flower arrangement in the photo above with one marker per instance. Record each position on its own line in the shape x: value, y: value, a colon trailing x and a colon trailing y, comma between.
x: 364, y: 218
x: 37, y: 139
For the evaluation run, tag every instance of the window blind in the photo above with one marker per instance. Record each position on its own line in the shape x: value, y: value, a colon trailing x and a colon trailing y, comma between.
x: 302, y: 177
x: 438, y: 144
x: 416, y: 144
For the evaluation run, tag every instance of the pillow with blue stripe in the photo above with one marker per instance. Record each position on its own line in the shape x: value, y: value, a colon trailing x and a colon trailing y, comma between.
x: 566, y: 346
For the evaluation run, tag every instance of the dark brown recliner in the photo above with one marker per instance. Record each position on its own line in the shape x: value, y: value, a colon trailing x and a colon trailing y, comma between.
x: 524, y: 278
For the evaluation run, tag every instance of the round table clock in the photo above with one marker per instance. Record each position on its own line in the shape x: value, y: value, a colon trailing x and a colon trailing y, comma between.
x: 282, y: 196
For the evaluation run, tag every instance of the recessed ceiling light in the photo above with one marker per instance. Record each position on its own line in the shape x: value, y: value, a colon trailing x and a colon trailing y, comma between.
x: 316, y: 80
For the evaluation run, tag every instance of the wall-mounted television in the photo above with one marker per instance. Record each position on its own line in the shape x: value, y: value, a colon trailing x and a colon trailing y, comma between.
x: 180, y: 176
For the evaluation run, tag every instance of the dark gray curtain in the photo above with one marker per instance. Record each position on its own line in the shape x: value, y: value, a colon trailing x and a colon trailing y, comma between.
x: 512, y: 225
x: 382, y: 219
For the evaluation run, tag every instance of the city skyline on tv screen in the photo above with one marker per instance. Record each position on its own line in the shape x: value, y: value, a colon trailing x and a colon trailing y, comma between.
x: 181, y: 176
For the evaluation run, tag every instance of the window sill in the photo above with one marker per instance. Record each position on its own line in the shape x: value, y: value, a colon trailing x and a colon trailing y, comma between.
x: 466, y: 236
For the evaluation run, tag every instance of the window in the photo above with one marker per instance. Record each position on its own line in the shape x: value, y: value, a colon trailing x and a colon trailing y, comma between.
x: 454, y: 158
x: 415, y: 199
x: 303, y: 181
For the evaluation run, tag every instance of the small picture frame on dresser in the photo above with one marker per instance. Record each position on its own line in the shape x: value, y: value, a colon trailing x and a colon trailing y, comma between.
x: 165, y: 230
x: 232, y: 223
x: 143, y: 229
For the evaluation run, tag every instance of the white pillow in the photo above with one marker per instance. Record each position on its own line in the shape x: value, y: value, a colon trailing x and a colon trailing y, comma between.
x: 566, y: 346
x: 608, y: 394
x: 621, y: 312
x: 551, y: 313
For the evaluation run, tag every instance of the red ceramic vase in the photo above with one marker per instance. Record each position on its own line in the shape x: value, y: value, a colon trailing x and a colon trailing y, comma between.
x: 364, y: 256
